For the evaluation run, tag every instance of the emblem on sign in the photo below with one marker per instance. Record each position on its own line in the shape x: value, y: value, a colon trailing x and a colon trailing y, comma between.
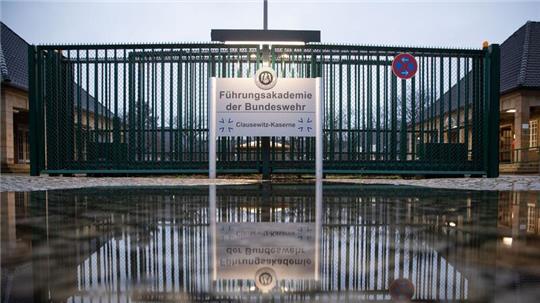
x: 265, y: 279
x: 404, y: 66
x: 265, y: 78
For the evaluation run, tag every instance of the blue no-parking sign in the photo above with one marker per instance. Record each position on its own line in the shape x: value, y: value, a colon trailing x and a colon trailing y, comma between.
x: 404, y: 66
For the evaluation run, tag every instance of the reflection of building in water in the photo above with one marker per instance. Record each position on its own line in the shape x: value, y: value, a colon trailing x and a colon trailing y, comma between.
x: 15, y: 246
x: 519, y: 213
x: 155, y: 244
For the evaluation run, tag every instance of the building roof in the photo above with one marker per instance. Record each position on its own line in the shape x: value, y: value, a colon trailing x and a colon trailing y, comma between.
x: 520, y: 68
x: 87, y: 99
x: 13, y: 58
x: 14, y: 69
x: 451, y: 96
x: 520, y: 58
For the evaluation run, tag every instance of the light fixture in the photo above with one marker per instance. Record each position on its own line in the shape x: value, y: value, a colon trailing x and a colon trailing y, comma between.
x: 507, y: 241
x: 265, y: 43
x: 452, y: 224
x: 265, y: 37
x: 512, y: 110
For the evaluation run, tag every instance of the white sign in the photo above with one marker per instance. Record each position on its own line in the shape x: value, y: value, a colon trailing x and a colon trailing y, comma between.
x: 265, y: 106
x: 265, y: 251
x: 288, y: 108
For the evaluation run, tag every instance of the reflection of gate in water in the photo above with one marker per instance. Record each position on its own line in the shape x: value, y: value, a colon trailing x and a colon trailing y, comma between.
x: 369, y: 237
x: 143, y: 109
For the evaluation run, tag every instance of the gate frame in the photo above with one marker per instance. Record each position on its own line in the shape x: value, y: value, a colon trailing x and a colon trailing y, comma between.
x: 490, y: 90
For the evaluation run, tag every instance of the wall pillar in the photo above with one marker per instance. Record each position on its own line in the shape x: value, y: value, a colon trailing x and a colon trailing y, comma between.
x: 7, y: 156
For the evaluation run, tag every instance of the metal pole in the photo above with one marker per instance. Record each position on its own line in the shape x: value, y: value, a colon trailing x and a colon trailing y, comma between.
x: 35, y: 118
x: 491, y: 149
x: 318, y: 225
x: 318, y: 131
x: 265, y: 141
x: 265, y: 15
x: 213, y: 241
x: 212, y: 128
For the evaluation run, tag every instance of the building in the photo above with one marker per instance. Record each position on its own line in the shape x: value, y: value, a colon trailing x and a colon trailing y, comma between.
x: 520, y: 100
x: 519, y: 150
x: 457, y: 114
x: 14, y: 124
x: 14, y: 130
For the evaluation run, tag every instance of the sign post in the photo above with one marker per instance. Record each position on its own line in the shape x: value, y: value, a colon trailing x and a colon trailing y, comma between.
x: 268, y: 107
x: 319, y: 131
x: 212, y: 128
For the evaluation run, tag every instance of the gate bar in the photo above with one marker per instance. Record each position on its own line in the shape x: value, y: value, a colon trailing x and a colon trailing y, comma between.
x: 35, y: 115
x: 492, y: 102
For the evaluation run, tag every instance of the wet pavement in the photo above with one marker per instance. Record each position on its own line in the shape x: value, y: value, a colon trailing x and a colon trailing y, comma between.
x: 270, y: 243
x: 14, y: 182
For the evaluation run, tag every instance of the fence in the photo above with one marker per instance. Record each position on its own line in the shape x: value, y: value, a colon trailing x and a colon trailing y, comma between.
x: 143, y: 109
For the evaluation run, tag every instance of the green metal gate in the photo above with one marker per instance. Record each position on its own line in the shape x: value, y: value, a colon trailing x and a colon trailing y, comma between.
x: 143, y: 109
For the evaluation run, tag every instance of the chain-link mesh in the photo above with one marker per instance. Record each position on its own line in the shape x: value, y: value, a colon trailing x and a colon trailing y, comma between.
x: 144, y: 108
x: 375, y: 121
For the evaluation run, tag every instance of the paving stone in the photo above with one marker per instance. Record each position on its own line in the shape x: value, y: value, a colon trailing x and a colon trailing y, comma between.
x: 505, y: 182
x: 11, y: 182
x: 14, y: 182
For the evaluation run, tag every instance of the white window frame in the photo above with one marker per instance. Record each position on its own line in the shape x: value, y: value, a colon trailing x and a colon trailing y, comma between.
x: 533, y: 138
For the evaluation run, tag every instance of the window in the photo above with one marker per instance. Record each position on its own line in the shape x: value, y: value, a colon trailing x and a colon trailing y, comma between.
x: 454, y: 136
x: 533, y: 140
x: 532, y: 218
x: 21, y: 146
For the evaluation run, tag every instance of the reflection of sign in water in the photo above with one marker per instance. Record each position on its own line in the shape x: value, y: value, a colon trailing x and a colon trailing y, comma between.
x: 265, y: 252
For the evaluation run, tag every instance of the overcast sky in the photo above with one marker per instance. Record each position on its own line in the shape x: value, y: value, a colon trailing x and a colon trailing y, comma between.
x: 418, y: 23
